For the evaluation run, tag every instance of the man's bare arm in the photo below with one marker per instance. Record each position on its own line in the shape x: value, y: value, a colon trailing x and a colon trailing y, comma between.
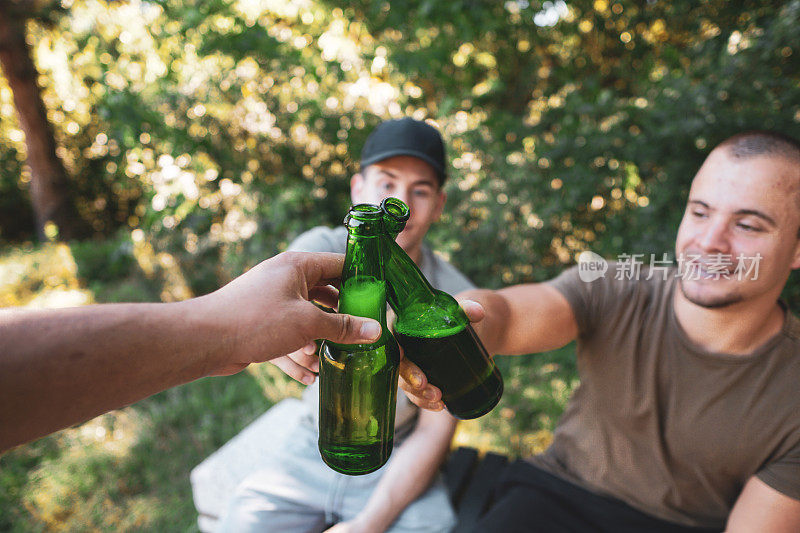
x: 764, y: 509
x: 523, y: 319
x: 60, y: 367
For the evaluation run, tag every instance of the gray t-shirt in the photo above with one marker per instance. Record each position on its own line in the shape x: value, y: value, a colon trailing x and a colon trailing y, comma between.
x: 441, y: 274
x: 661, y: 423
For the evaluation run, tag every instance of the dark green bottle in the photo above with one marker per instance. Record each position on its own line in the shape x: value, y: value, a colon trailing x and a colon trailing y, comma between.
x: 434, y: 331
x: 358, y: 382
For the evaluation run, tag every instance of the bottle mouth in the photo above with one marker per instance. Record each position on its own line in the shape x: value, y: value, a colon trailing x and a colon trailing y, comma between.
x: 363, y: 213
x: 366, y: 209
x: 396, y: 208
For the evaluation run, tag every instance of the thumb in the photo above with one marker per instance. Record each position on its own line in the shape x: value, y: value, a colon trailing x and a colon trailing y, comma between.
x: 348, y: 329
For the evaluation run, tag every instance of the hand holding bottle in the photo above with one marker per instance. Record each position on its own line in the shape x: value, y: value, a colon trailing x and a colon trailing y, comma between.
x: 414, y: 382
x: 303, y: 366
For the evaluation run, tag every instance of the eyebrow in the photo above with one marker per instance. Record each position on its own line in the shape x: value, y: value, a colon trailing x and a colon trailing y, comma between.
x: 386, y: 172
x: 423, y: 181
x: 753, y: 212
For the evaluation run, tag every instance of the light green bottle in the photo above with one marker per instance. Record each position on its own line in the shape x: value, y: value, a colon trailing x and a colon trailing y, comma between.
x: 358, y: 382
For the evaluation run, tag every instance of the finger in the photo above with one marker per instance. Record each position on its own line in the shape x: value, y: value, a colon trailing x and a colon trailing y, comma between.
x: 420, y: 401
x: 321, y: 267
x: 325, y: 295
x: 294, y: 371
x: 412, y: 375
x: 305, y: 359
x: 474, y: 311
x: 429, y: 393
x: 345, y: 329
x: 415, y: 384
x: 310, y: 348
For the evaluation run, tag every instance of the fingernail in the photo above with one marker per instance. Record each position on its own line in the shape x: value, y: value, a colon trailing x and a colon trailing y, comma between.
x: 428, y: 394
x: 416, y: 379
x: 308, y: 380
x: 370, y: 330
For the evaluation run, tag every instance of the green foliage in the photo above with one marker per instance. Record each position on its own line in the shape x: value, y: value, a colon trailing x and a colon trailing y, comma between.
x: 223, y: 129
x: 127, y: 470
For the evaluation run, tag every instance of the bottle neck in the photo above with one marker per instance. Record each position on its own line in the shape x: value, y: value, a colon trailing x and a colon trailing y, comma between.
x: 363, y: 287
x: 407, y: 286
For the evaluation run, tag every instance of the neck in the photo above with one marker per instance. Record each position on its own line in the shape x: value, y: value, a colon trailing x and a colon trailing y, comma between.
x: 737, y: 329
x: 415, y: 254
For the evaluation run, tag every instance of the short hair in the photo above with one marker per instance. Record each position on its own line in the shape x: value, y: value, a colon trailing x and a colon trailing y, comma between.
x: 755, y: 143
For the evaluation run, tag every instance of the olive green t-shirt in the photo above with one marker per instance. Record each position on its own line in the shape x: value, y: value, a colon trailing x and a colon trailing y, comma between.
x: 662, y: 424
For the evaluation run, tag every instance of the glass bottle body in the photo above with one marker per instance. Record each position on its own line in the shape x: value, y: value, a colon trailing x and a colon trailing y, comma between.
x: 358, y: 396
x: 435, y: 333
x: 358, y: 382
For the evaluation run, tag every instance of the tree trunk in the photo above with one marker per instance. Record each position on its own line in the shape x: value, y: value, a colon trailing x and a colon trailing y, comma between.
x: 49, y: 185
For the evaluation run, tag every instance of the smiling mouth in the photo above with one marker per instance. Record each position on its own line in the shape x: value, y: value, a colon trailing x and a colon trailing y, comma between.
x: 707, y: 270
x: 714, y: 274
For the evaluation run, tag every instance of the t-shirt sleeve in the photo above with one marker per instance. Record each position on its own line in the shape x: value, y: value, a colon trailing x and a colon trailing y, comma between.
x: 591, y: 301
x: 450, y: 279
x: 783, y: 474
x: 319, y: 239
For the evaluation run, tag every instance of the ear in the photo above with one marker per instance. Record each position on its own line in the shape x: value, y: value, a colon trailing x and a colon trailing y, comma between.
x: 440, y: 201
x: 356, y: 187
x: 796, y: 256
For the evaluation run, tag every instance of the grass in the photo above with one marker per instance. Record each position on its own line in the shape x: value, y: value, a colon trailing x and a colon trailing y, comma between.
x: 128, y: 470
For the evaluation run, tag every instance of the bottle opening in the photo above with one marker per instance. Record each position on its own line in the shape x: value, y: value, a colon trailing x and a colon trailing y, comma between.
x: 366, y: 209
x: 395, y: 208
x: 362, y: 213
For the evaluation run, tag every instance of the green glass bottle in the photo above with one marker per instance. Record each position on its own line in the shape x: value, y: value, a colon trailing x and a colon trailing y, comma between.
x: 358, y: 382
x: 434, y: 331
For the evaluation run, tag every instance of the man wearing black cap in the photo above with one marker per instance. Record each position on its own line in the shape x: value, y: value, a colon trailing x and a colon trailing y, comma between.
x: 293, y: 490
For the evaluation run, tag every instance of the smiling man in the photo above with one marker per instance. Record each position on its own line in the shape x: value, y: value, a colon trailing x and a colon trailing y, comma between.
x: 687, y: 417
x: 297, y: 492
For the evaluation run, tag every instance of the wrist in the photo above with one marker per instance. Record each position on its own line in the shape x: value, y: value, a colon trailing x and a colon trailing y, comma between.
x: 372, y: 521
x: 211, y: 334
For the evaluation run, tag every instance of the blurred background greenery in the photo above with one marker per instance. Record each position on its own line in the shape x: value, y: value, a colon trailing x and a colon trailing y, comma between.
x: 198, y: 138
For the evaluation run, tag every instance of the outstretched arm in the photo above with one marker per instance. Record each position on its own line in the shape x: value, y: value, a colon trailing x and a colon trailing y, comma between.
x: 516, y: 320
x: 523, y: 319
x: 60, y: 367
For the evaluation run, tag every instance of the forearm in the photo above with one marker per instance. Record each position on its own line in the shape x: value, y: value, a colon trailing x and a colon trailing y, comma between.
x: 411, y: 470
x: 524, y: 319
x: 60, y: 367
x: 492, y: 330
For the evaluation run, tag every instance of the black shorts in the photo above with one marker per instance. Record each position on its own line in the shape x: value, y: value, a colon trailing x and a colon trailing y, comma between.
x: 529, y: 499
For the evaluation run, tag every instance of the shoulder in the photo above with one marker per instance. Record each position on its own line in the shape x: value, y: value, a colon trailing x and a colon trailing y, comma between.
x: 320, y: 239
x: 442, y: 274
x: 792, y: 327
x: 615, y: 280
x: 610, y: 289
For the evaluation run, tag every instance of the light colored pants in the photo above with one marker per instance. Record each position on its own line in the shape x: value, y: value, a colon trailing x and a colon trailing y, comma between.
x: 299, y: 493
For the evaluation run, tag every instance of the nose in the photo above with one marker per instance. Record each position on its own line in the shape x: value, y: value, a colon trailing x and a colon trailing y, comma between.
x: 401, y: 193
x: 714, y: 237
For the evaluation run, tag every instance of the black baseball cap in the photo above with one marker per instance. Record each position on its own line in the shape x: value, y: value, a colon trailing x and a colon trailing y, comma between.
x: 406, y: 136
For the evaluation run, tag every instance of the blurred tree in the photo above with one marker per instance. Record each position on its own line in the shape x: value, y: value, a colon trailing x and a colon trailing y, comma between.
x: 49, y: 188
x: 215, y: 131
